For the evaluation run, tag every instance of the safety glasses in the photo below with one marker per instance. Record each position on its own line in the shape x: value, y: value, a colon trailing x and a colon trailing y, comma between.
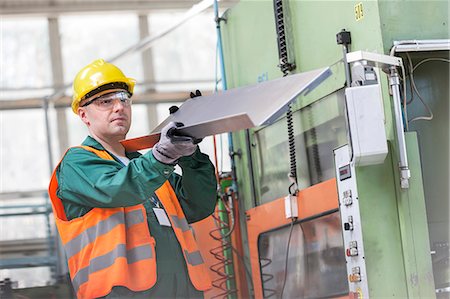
x: 109, y: 100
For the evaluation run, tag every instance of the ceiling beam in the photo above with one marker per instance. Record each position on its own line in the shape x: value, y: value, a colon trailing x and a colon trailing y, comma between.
x: 52, y: 8
x: 152, y: 97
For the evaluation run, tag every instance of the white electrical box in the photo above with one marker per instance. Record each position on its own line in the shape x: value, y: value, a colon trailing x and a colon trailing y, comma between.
x: 366, y: 121
x: 291, y: 206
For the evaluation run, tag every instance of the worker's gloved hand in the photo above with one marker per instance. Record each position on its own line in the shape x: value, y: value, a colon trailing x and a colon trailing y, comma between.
x: 174, y: 109
x: 172, y: 146
x: 196, y: 94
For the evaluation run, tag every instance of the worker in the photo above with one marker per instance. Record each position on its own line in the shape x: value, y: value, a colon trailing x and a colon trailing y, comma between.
x: 122, y: 216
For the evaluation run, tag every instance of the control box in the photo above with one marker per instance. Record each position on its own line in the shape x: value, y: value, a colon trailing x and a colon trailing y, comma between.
x: 366, y: 122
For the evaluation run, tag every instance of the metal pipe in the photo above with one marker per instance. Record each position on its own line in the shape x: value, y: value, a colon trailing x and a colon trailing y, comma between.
x: 394, y: 83
x: 32, y: 213
x: 42, y: 206
x: 348, y: 78
x: 421, y: 41
x: 49, y: 136
x: 344, y: 38
x: 422, y: 47
x: 220, y: 45
x: 225, y: 87
x: 230, y: 283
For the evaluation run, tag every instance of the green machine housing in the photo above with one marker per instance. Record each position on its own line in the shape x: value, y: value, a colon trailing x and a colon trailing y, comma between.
x: 405, y: 231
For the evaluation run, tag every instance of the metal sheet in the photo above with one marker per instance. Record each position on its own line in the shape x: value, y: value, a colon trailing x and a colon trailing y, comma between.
x: 217, y: 126
x: 237, y: 109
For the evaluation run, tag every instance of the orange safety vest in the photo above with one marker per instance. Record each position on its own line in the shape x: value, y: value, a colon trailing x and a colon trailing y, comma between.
x: 110, y: 247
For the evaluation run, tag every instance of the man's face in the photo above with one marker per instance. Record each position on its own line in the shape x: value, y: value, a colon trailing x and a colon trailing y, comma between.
x: 108, y: 116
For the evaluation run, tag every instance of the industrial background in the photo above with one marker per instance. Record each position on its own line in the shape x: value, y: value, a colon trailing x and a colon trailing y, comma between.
x: 365, y: 209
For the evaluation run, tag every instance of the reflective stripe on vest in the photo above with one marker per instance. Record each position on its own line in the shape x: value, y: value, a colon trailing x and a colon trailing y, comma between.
x: 106, y: 247
x: 102, y: 262
x: 104, y: 226
x: 180, y: 223
x: 193, y: 258
x: 198, y: 272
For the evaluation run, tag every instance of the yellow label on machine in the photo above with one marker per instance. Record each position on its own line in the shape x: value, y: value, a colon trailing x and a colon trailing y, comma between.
x: 360, y: 293
x: 359, y: 14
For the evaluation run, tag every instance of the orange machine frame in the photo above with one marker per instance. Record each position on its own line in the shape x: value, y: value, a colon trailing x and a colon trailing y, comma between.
x: 312, y: 201
x: 206, y: 243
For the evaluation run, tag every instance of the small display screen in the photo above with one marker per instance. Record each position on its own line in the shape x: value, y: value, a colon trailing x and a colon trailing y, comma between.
x: 344, y: 172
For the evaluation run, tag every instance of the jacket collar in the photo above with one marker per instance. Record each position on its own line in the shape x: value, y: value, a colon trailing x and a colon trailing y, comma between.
x: 90, y: 141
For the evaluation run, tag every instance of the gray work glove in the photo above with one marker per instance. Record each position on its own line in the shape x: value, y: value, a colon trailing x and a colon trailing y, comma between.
x: 171, y: 147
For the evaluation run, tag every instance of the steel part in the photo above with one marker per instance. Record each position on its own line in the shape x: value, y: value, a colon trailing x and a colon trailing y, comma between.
x: 240, y: 108
x: 349, y: 209
x: 374, y: 59
x: 394, y: 83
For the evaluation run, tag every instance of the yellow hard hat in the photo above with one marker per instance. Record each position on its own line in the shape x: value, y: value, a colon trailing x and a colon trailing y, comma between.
x: 96, y: 77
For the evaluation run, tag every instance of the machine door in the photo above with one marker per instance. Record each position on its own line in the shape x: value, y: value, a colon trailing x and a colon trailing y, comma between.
x: 314, y: 265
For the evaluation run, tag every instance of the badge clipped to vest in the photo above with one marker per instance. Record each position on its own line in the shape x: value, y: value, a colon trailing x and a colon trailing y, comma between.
x: 160, y: 214
x: 162, y: 217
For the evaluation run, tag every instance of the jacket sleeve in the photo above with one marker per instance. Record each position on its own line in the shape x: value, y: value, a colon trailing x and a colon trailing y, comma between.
x: 197, y: 188
x: 88, y: 180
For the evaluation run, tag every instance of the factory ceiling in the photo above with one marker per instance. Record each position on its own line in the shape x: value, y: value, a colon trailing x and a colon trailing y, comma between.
x: 52, y: 7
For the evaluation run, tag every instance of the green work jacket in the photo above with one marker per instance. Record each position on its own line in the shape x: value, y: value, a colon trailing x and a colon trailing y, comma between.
x: 87, y: 181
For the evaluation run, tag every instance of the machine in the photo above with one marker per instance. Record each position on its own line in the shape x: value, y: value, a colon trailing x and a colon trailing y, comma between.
x: 347, y: 195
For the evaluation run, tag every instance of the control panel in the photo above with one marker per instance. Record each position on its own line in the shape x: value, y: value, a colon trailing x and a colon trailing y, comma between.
x: 351, y: 223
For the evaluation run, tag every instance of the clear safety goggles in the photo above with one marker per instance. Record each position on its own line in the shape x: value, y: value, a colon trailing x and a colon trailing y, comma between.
x: 109, y: 100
